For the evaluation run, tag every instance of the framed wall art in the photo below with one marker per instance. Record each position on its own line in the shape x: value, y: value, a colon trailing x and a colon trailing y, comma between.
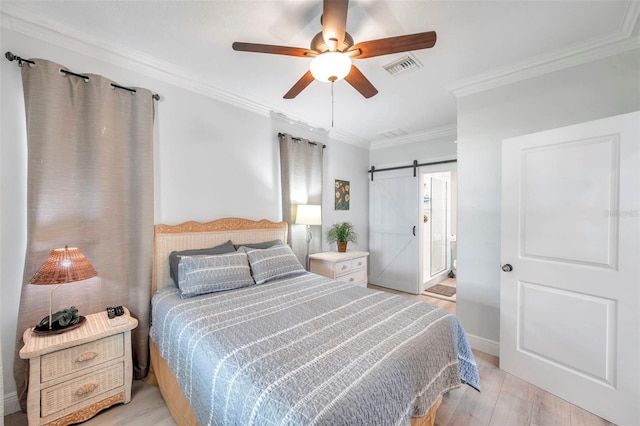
x: 342, y: 194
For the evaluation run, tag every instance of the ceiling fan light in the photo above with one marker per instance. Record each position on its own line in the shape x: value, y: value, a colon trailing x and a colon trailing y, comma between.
x: 330, y: 66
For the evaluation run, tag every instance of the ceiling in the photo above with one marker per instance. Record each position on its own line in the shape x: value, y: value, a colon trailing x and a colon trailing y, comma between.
x: 477, y: 41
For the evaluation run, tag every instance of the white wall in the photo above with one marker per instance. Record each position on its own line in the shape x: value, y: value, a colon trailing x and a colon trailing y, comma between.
x: 211, y: 160
x: 347, y: 163
x: 594, y: 90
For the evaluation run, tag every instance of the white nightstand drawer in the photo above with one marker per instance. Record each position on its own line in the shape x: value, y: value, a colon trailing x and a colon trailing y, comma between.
x: 341, y: 268
x: 359, y: 263
x: 69, y: 393
x: 350, y: 266
x: 63, y: 362
x: 357, y: 277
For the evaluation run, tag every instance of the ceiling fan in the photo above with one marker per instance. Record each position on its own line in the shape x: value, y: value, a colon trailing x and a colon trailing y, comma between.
x: 333, y: 48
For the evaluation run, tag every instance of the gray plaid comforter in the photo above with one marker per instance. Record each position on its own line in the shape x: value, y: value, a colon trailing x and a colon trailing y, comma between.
x: 309, y: 351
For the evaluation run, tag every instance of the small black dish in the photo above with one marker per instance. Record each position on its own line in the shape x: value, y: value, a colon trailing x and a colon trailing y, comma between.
x: 57, y: 329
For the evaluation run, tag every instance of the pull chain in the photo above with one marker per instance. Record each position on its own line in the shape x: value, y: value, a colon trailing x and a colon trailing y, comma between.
x: 332, y: 83
x: 332, y: 79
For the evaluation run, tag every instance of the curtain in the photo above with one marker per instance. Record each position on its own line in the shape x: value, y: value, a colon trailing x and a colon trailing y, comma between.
x: 301, y: 179
x: 1, y: 383
x: 89, y: 185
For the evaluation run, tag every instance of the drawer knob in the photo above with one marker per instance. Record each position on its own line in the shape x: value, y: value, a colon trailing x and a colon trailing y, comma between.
x: 344, y: 266
x: 86, y: 388
x: 351, y: 279
x: 87, y: 356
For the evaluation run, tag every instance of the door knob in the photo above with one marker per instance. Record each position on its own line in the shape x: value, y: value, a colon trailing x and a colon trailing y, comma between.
x: 507, y: 267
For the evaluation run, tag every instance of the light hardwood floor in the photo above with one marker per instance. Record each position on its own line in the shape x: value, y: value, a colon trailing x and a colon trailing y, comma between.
x: 505, y: 400
x: 441, y: 303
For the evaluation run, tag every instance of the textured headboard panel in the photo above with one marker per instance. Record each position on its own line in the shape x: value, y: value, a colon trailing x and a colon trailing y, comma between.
x: 195, y: 235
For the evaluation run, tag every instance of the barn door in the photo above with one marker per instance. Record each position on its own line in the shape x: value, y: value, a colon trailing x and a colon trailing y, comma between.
x: 393, y: 230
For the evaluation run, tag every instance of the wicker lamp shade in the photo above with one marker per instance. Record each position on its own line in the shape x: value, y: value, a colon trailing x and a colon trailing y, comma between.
x: 64, y: 265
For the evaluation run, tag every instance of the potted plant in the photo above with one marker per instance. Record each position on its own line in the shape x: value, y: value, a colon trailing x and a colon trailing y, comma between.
x: 342, y: 233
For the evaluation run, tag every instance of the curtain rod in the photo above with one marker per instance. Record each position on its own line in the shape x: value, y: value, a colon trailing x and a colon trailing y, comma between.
x: 281, y: 135
x: 11, y: 57
x: 413, y: 166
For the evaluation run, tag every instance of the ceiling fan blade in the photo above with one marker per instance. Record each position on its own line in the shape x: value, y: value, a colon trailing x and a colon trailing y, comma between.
x: 276, y: 50
x: 385, y: 46
x: 360, y: 82
x: 334, y: 21
x: 300, y: 85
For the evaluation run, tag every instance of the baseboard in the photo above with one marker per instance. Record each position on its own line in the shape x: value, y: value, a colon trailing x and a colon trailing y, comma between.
x: 11, y: 403
x: 490, y: 347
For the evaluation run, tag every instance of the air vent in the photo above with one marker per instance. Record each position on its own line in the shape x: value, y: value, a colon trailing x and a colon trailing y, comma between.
x: 403, y: 64
x: 393, y: 133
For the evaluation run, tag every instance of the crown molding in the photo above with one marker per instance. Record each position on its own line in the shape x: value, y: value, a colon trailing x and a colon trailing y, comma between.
x: 325, y: 133
x: 526, y: 71
x: 430, y: 134
x: 288, y: 120
x: 16, y: 19
x: 598, y: 48
x: 349, y: 139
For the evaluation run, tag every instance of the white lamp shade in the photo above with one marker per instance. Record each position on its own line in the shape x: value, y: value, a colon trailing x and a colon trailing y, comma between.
x: 330, y: 66
x: 309, y: 214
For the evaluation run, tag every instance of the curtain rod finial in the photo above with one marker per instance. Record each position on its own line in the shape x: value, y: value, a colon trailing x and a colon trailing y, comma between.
x: 11, y: 57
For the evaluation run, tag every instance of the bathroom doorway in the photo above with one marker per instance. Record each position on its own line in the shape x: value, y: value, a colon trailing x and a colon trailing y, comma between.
x: 439, y: 205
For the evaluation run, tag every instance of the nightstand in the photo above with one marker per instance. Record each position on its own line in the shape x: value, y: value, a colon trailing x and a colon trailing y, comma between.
x: 74, y: 375
x: 350, y: 266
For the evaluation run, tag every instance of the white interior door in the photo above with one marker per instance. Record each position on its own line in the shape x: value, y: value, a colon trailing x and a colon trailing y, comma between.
x: 569, y: 309
x: 393, y: 220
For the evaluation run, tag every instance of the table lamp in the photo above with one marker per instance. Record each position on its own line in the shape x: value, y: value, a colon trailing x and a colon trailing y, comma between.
x: 309, y: 214
x: 62, y: 266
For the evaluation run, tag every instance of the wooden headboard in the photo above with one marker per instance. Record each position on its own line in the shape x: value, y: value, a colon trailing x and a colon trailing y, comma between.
x: 196, y: 235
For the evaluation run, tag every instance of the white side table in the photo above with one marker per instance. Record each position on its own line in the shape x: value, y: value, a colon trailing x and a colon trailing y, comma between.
x: 74, y: 375
x: 350, y: 266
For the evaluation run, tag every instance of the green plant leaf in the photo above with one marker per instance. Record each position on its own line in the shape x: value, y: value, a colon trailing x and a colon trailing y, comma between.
x: 340, y: 232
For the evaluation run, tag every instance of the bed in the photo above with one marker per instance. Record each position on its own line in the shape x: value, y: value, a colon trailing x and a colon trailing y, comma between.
x: 297, y: 349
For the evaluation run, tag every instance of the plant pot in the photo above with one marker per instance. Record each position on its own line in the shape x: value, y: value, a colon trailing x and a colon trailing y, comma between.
x: 342, y: 246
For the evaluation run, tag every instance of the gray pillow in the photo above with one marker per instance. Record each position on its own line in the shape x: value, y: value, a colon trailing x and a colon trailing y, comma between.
x: 263, y: 245
x: 273, y: 263
x: 174, y: 257
x: 208, y: 274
